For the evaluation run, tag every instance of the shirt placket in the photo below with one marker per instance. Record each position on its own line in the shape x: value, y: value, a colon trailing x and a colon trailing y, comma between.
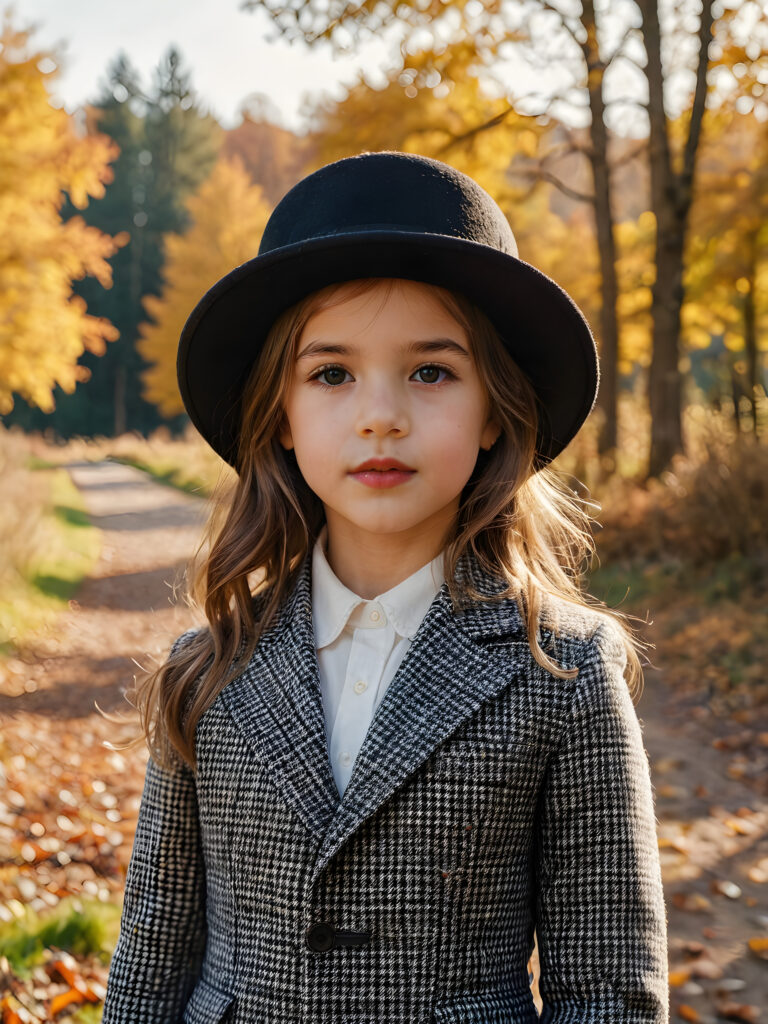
x: 371, y: 643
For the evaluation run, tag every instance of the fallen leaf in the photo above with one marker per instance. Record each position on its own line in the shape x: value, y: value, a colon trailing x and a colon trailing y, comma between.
x: 686, y: 1012
x: 725, y: 887
x: 678, y: 977
x: 692, y: 901
x: 706, y: 968
x: 58, y: 1003
x: 741, y: 1012
x: 9, y: 1012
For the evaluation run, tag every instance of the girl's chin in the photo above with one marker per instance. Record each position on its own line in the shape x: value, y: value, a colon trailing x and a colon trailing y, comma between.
x: 366, y: 523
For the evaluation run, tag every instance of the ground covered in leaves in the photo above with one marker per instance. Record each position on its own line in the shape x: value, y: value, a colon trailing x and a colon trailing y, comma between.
x: 70, y: 788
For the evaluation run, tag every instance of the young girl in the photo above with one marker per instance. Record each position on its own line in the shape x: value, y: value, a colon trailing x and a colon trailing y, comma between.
x: 404, y: 742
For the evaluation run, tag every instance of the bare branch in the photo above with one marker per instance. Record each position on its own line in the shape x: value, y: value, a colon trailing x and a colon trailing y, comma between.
x: 529, y: 192
x: 630, y: 155
x: 477, y: 130
x: 565, y: 149
x: 533, y: 96
x: 327, y: 32
x: 539, y: 174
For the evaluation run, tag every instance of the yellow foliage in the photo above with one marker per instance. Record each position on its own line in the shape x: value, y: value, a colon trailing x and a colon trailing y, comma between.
x: 227, y: 218
x: 436, y: 105
x: 636, y: 273
x: 726, y: 247
x: 44, y: 328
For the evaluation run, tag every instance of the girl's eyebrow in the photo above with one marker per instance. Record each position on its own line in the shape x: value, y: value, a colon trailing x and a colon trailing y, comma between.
x: 329, y: 348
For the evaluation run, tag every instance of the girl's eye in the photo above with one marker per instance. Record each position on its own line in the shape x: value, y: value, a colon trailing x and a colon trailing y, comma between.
x: 330, y: 375
x: 430, y: 374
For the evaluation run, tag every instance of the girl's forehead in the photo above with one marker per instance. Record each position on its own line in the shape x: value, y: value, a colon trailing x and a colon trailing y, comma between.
x: 394, y: 298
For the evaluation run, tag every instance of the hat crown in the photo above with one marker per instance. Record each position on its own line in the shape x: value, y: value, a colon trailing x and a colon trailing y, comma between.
x: 387, y: 191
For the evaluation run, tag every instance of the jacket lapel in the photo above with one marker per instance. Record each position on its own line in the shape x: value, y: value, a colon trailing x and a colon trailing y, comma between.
x: 445, y: 676
x: 277, y: 705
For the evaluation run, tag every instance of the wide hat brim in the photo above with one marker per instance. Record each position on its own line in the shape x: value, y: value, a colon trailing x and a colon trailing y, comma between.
x: 539, y: 323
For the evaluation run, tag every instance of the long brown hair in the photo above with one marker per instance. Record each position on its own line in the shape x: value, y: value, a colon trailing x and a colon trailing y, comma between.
x: 524, y: 525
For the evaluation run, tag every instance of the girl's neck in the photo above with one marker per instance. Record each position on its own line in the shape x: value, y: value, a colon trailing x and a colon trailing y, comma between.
x: 371, y: 565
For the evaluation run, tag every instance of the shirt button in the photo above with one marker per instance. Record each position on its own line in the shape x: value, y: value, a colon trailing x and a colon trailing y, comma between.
x: 345, y: 757
x: 360, y: 686
x: 375, y: 616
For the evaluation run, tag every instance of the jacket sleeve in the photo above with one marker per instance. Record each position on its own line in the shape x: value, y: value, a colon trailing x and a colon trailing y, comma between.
x: 163, y: 928
x: 601, y: 918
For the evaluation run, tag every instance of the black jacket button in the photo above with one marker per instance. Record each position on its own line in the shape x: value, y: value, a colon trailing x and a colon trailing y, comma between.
x: 321, y: 937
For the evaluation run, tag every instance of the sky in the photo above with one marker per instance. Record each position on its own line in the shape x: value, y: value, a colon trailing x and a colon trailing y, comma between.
x: 224, y: 47
x: 229, y: 52
x: 231, y: 56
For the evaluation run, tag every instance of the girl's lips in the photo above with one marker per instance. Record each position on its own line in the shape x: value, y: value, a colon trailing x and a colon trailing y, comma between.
x: 380, y: 463
x: 383, y: 477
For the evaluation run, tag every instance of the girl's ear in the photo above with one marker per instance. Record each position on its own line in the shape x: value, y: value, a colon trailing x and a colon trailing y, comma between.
x: 284, y: 433
x: 490, y: 434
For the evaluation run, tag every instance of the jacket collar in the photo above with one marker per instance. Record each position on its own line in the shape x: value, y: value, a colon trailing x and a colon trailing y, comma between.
x: 404, y: 605
x: 446, y: 675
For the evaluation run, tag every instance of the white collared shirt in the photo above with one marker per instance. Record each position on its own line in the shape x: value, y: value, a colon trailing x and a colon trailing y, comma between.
x: 360, y: 645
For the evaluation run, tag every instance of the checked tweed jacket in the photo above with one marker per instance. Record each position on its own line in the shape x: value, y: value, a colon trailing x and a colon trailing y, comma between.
x: 490, y: 798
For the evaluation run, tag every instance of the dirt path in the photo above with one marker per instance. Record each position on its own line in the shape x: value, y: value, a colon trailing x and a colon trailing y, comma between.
x: 127, y: 609
x: 713, y: 833
x: 712, y: 820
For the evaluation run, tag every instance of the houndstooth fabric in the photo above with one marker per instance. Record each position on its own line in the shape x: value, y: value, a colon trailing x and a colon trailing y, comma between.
x: 490, y: 798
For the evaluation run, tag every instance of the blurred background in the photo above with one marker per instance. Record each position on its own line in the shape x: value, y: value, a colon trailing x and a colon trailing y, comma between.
x: 142, y: 149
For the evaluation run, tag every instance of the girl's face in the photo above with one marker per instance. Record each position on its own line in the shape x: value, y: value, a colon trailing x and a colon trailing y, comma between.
x: 387, y: 377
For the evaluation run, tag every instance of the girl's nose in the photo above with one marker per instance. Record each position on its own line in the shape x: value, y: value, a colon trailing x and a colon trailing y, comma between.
x: 383, y: 411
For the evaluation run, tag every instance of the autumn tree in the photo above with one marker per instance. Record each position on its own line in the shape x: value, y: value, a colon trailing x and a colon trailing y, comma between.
x: 227, y: 216
x: 727, y: 268
x: 273, y: 155
x: 168, y: 145
x: 724, y: 316
x: 44, y: 327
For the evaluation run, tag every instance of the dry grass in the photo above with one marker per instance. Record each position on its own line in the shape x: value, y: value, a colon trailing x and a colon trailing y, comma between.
x: 710, y: 506
x: 21, y: 511
x: 47, y: 545
x: 187, y: 462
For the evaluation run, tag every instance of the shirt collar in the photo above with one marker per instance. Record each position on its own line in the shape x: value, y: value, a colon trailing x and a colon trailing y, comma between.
x: 405, y: 604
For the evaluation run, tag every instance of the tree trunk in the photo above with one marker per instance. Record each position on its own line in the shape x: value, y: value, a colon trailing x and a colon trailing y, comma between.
x: 598, y: 156
x: 665, y: 379
x: 671, y: 197
x: 120, y: 414
x: 750, y: 334
x: 737, y: 393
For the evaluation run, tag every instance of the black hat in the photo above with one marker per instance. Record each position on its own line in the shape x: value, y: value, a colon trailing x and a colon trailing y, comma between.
x: 388, y: 215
